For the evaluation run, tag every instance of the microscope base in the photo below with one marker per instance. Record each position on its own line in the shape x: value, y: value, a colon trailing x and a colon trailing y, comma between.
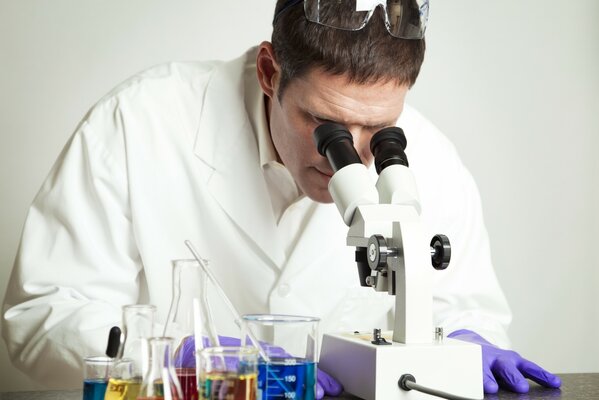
x: 372, y: 371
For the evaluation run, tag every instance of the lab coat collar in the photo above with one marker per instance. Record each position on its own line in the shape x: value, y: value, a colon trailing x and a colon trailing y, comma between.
x: 255, y: 102
x: 225, y: 143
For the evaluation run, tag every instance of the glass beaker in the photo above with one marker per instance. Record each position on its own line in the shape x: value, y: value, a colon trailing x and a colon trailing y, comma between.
x: 228, y: 373
x: 160, y: 382
x: 291, y: 344
x: 131, y: 364
x: 188, y: 322
x: 95, y: 376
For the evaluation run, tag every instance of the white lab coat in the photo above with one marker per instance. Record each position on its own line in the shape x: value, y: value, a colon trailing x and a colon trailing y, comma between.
x: 170, y: 155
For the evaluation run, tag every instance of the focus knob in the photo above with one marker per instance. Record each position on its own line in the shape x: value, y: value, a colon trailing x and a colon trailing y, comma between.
x: 440, y: 252
x: 377, y: 252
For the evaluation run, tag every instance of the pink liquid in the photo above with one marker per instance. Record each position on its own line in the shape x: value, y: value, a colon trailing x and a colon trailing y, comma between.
x: 189, y: 384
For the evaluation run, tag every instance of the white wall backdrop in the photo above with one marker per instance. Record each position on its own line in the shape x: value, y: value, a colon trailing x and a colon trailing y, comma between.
x: 513, y: 83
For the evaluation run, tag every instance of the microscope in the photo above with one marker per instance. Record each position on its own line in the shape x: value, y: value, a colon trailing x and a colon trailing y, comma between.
x: 393, y: 254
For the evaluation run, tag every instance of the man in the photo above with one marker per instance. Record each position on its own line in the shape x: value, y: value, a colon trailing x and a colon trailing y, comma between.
x: 222, y: 154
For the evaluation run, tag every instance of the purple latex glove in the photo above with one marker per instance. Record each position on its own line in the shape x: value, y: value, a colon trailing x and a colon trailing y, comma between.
x: 506, y: 368
x: 326, y: 385
x: 184, y: 355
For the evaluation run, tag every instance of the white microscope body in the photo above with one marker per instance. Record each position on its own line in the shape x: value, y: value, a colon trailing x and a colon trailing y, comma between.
x: 384, y: 226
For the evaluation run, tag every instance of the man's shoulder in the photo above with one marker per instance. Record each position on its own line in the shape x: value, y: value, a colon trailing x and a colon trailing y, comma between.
x: 191, y: 76
x: 176, y: 84
x: 164, y: 79
x: 173, y: 89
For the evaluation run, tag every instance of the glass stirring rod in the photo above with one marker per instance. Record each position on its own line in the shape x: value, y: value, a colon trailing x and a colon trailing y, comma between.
x: 223, y: 295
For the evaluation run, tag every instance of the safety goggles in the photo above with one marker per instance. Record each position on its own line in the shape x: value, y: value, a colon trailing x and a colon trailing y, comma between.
x: 405, y: 19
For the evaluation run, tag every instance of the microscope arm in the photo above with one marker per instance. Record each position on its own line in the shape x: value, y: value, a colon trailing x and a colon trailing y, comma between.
x: 397, y: 251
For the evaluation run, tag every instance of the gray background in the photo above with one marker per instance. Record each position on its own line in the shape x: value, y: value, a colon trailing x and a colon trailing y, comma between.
x: 513, y: 83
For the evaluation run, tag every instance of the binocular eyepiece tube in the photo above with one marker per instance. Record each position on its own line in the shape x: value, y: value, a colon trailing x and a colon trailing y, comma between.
x: 388, y: 147
x: 335, y: 142
x: 351, y: 184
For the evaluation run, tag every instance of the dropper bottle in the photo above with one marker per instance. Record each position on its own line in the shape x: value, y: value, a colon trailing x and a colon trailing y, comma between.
x: 132, y: 360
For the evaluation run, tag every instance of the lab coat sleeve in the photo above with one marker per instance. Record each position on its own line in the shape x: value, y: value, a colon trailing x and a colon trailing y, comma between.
x: 77, y: 262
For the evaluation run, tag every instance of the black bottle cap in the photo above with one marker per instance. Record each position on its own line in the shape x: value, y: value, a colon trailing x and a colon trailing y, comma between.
x: 114, y: 342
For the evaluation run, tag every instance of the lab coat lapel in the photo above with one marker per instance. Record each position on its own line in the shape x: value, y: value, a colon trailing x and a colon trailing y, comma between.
x: 323, y: 233
x: 226, y: 143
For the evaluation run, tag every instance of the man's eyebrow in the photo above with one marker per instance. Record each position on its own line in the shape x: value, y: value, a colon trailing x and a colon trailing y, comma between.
x: 323, y: 118
x: 328, y: 119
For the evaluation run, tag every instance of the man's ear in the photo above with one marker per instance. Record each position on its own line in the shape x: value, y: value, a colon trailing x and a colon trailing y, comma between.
x: 268, y: 70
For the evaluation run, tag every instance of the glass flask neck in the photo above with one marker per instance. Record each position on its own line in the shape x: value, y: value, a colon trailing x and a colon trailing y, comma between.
x: 161, y: 382
x: 138, y: 326
x: 189, y: 319
x: 138, y: 322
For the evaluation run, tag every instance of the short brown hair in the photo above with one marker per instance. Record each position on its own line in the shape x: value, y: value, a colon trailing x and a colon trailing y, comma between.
x: 365, y: 56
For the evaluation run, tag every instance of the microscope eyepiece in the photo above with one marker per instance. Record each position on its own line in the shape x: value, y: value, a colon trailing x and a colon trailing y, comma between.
x: 335, y: 142
x: 387, y: 146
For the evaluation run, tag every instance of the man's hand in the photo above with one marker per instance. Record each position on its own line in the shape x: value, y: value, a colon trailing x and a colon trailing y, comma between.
x: 506, y: 368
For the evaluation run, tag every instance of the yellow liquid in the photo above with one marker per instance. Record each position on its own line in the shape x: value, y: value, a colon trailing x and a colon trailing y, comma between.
x: 227, y: 386
x: 119, y: 389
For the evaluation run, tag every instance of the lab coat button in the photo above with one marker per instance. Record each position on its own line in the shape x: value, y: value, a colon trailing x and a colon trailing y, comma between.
x: 284, y: 290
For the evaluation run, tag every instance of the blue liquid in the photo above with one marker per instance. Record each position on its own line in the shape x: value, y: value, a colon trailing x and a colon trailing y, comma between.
x: 94, y: 389
x: 289, y: 378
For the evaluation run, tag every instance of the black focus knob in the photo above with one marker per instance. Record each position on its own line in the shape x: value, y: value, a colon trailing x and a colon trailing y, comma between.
x: 440, y: 252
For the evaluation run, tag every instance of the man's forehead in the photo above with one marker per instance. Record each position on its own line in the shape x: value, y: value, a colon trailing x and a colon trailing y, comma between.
x: 352, y: 119
x: 336, y: 98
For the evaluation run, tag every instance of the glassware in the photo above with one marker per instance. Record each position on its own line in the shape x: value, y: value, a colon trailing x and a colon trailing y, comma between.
x: 188, y: 322
x: 291, y: 344
x: 95, y: 376
x: 130, y: 367
x: 160, y: 382
x: 228, y: 373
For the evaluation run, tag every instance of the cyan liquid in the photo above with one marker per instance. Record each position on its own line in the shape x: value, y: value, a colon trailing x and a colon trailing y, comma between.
x: 94, y: 389
x: 287, y: 378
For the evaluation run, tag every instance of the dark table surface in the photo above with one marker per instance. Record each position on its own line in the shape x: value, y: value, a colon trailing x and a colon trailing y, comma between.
x: 574, y: 387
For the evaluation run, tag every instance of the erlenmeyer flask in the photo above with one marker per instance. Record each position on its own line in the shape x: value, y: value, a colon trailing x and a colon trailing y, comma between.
x: 160, y: 381
x: 188, y: 322
x: 127, y: 372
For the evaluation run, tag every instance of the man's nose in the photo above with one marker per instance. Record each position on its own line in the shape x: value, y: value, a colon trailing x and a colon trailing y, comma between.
x: 361, y: 139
